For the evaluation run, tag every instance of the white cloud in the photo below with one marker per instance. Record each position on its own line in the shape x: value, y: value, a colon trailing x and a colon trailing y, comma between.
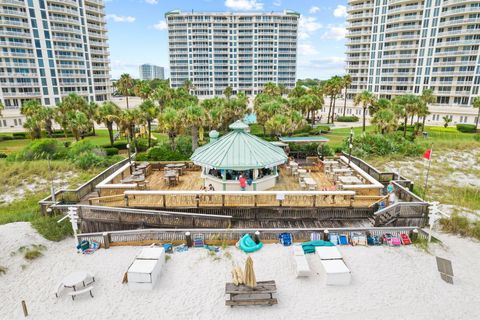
x: 117, y: 18
x: 314, y: 9
x: 277, y: 3
x: 306, y: 26
x: 161, y: 25
x: 335, y: 32
x: 151, y: 1
x: 340, y: 11
x: 244, y: 4
x: 307, y: 49
x: 321, y: 67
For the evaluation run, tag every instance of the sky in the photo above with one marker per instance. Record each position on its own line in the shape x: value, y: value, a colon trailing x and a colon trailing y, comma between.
x: 138, y: 33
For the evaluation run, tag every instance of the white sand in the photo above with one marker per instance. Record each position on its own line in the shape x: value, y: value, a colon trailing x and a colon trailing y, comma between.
x: 388, y: 283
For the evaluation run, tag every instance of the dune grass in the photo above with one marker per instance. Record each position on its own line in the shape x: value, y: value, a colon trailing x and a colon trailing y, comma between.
x: 3, y: 270
x: 461, y: 225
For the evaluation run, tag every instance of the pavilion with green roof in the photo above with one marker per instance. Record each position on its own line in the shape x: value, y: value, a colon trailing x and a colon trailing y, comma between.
x: 237, y: 153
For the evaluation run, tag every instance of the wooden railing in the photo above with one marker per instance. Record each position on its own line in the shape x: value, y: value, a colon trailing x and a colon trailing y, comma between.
x: 167, y: 199
x: 226, y: 236
x: 416, y: 211
x: 75, y: 195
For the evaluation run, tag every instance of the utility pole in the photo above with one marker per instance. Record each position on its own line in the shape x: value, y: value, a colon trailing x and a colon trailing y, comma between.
x: 350, y: 145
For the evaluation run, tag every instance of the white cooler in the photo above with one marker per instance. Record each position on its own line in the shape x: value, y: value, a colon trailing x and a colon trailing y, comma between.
x: 145, y: 270
x: 328, y: 253
x: 336, y: 272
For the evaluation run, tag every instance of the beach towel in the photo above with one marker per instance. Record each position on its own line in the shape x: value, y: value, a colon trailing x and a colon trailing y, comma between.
x: 334, y: 238
x: 405, y: 239
x: 359, y: 238
x: 94, y: 246
x: 286, y: 239
x: 373, y: 241
x: 212, y: 248
x: 309, y: 247
x: 181, y: 248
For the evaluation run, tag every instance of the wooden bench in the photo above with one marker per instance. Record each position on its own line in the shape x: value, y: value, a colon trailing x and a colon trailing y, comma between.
x: 84, y: 290
x: 251, y: 296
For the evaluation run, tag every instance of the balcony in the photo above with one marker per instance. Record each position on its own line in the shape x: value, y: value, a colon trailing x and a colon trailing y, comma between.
x: 65, y: 10
x: 405, y: 9
x: 15, y: 13
x: 5, y: 22
x: 459, y: 22
x: 16, y: 44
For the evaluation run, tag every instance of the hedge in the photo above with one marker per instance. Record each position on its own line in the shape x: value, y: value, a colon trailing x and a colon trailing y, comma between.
x: 2, y: 155
x: 111, y: 151
x: 466, y: 128
x: 5, y: 138
x: 19, y: 135
x: 347, y: 119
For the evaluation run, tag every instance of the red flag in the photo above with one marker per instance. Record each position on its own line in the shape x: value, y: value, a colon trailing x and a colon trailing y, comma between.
x: 428, y: 154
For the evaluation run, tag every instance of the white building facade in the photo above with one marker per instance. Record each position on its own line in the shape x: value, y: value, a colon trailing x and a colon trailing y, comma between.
x: 240, y: 50
x: 49, y: 49
x: 406, y: 46
x: 150, y: 72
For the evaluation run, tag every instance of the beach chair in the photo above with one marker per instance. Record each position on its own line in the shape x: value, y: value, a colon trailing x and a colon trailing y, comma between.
x: 373, y: 240
x: 301, y: 263
x: 405, y: 239
x: 334, y: 238
x: 359, y: 239
x: 343, y: 239
x: 314, y: 236
x: 390, y: 240
x: 286, y: 239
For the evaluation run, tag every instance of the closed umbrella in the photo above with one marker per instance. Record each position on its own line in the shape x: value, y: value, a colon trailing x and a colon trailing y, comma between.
x: 250, y: 279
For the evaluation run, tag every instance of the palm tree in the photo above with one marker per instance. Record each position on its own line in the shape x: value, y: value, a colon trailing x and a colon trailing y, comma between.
x: 427, y: 97
x: 78, y: 123
x: 172, y: 122
x: 47, y: 114
x: 162, y: 94
x: 125, y: 85
x: 385, y: 120
x: 228, y: 92
x: 188, y: 86
x: 143, y: 90
x: 446, y: 121
x: 271, y: 89
x: 128, y: 119
x: 332, y: 88
x: 380, y: 104
x: 193, y: 117
x: 410, y: 104
x: 268, y: 109
x: 214, y: 112
x: 297, y: 91
x: 149, y: 112
x: 31, y: 110
x: 72, y: 102
x: 366, y: 99
x: 476, y: 104
x: 91, y: 110
x: 2, y: 107
x: 108, y: 113
x: 347, y: 81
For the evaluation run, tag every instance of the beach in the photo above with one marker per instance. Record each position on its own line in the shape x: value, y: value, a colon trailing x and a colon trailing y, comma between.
x: 393, y: 283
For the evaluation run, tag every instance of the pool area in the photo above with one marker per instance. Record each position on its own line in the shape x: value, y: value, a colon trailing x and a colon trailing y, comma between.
x: 308, y: 139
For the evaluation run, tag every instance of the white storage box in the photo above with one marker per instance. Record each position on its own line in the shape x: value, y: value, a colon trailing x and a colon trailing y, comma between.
x: 153, y: 253
x: 328, y: 253
x: 143, y: 274
x: 336, y: 272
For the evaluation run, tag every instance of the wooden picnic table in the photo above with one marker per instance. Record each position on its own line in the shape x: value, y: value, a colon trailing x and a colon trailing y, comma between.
x: 176, y: 166
x: 349, y: 180
x: 251, y: 296
x: 342, y: 170
x: 145, y: 167
x: 310, y: 181
x: 171, y: 177
x: 132, y: 179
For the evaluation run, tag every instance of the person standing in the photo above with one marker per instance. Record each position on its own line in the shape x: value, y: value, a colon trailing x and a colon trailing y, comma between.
x: 243, y: 183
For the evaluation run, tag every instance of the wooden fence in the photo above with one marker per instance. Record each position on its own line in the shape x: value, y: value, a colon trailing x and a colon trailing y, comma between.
x: 173, y: 199
x: 75, y: 195
x: 225, y: 236
x: 403, y: 213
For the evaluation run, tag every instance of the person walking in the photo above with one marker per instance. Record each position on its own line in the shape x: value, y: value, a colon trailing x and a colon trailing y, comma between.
x: 243, y: 183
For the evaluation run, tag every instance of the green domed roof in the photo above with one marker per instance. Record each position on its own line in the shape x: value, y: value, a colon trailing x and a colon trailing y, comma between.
x: 239, y: 150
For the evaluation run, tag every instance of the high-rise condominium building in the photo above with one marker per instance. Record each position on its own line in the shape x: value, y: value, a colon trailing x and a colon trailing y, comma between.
x: 150, y: 72
x: 406, y: 46
x: 50, y: 48
x: 240, y: 50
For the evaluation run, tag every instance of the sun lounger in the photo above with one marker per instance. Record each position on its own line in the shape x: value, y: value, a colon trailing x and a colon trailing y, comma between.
x: 336, y: 272
x: 73, y: 294
x: 373, y: 240
x: 359, y: 239
x: 328, y: 253
x: 334, y: 238
x: 405, y: 239
x: 390, y: 240
x: 301, y: 263
x: 314, y: 236
x: 343, y: 239
x: 286, y: 239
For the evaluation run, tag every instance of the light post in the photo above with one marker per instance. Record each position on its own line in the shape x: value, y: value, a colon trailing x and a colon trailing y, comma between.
x: 432, y: 218
x: 129, y: 157
x: 52, y: 188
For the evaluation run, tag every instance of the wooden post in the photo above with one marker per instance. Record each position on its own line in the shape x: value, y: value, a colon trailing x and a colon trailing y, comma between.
x: 126, y: 200
x: 188, y: 238
x: 164, y: 201
x: 255, y: 200
x: 351, y: 201
x: 414, y: 235
x: 223, y: 200
x: 325, y: 235
x: 106, y: 240
x: 24, y: 307
x: 314, y: 200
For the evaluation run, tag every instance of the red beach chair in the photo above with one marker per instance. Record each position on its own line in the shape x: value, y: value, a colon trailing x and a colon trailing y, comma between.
x: 405, y: 239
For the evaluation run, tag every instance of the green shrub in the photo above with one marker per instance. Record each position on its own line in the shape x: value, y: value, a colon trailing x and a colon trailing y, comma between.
x: 33, y: 251
x: 19, y: 135
x: 381, y: 145
x: 477, y: 137
x: 142, y: 156
x: 305, y: 129
x: 111, y: 151
x: 319, y: 130
x: 347, y: 119
x: 3, y: 155
x: 142, y: 144
x: 466, y: 128
x: 42, y: 149
x: 48, y: 227
x: 164, y: 152
x: 5, y: 138
x: 80, y: 147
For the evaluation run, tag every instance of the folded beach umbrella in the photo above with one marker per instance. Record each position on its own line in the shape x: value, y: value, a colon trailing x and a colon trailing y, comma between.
x: 250, y: 280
